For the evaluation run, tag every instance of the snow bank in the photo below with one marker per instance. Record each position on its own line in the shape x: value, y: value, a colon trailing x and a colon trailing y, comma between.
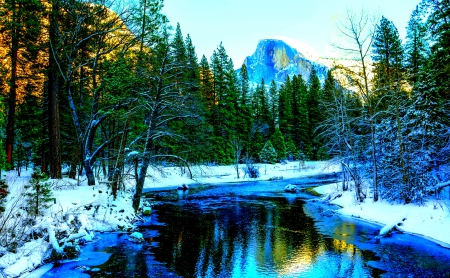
x: 432, y: 220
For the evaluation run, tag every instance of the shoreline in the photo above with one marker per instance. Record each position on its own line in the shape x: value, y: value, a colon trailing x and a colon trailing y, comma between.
x: 98, y: 212
x: 367, y: 212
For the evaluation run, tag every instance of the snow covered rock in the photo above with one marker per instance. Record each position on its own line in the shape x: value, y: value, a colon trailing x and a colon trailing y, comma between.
x: 136, y: 237
x: 183, y: 187
x: 332, y: 196
x: 146, y: 210
x: 290, y: 188
x: 275, y: 178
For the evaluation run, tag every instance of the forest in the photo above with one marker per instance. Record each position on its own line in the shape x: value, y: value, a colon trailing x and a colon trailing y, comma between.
x: 112, y: 87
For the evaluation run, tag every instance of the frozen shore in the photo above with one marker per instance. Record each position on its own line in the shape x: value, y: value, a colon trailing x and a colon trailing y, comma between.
x: 93, y: 209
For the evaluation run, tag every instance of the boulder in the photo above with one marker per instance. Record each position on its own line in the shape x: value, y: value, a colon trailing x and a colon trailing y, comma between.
x: 136, y: 237
x: 183, y: 187
x: 276, y: 178
x: 147, y: 210
x: 290, y: 188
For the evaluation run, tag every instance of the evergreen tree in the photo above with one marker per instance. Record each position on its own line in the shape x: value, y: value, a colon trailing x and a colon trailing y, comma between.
x: 279, y: 144
x: 39, y: 193
x: 226, y: 90
x: 291, y: 150
x: 20, y: 23
x: 416, y: 46
x: 439, y: 25
x: 388, y: 57
x: 261, y: 108
x: 285, y: 115
x: 314, y: 114
x: 244, y: 114
x: 300, y: 122
x: 268, y: 154
x: 3, y: 193
x: 209, y: 100
x: 30, y: 131
x: 3, y: 161
x: 273, y: 100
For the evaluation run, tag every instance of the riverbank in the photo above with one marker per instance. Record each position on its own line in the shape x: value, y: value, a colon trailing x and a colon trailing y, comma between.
x: 80, y: 211
x: 430, y: 220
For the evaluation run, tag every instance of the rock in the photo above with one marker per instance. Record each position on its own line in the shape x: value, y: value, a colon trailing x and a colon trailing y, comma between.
x: 146, y: 210
x: 330, y: 197
x: 275, y: 60
x: 183, y: 187
x: 290, y: 188
x: 136, y: 237
x: 276, y: 178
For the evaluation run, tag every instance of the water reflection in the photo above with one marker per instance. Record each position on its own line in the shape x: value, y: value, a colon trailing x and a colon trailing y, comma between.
x: 255, y: 236
x: 248, y: 238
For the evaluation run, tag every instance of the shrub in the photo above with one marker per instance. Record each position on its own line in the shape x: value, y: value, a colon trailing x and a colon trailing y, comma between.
x: 38, y: 193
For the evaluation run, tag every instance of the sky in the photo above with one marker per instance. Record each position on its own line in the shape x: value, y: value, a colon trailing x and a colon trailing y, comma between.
x: 240, y: 24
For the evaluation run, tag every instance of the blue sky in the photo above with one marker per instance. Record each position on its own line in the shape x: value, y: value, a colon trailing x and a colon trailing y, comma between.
x: 240, y: 24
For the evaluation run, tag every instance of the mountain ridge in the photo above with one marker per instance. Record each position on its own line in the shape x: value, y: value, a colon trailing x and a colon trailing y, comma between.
x: 274, y: 59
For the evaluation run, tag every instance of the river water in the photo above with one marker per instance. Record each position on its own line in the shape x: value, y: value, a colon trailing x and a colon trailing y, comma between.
x: 254, y: 230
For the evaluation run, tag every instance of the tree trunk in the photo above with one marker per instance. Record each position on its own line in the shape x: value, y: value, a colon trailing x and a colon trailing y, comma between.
x: 89, y: 172
x: 54, y: 127
x: 143, y: 170
x: 12, y: 92
x: 374, y: 161
x: 140, y: 182
x: 119, y: 161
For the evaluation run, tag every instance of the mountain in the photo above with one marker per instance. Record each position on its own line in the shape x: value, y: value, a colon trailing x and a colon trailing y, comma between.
x: 274, y: 59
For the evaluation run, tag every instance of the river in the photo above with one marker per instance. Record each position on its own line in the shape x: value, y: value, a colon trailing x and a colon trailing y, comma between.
x: 254, y: 230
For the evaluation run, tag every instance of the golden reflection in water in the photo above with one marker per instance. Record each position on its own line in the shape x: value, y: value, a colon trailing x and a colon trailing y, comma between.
x: 307, y: 255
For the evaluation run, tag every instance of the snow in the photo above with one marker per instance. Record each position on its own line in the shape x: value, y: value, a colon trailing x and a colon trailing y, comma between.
x: 81, y: 210
x: 431, y: 220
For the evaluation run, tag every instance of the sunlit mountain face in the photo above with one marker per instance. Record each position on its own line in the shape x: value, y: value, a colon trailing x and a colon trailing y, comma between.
x: 274, y: 59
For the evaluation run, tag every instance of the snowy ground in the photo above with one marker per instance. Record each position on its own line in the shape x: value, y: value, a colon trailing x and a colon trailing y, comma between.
x: 432, y: 220
x: 81, y: 210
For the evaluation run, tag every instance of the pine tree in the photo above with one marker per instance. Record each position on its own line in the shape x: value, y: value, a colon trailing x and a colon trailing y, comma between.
x: 244, y: 114
x: 226, y: 90
x: 439, y: 25
x: 268, y: 154
x: 273, y: 103
x: 388, y: 57
x: 314, y: 114
x: 261, y: 108
x: 21, y: 25
x: 39, y: 193
x: 416, y: 46
x: 300, y: 122
x: 3, y: 193
x: 279, y: 144
x: 291, y: 150
x: 31, y: 133
x: 285, y: 114
x: 209, y: 106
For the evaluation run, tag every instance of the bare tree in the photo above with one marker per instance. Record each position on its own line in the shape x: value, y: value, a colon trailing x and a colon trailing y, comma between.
x: 96, y: 29
x: 165, y: 98
x: 338, y: 130
x: 358, y: 31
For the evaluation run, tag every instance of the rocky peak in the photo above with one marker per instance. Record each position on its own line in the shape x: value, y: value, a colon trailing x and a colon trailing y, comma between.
x: 274, y: 60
